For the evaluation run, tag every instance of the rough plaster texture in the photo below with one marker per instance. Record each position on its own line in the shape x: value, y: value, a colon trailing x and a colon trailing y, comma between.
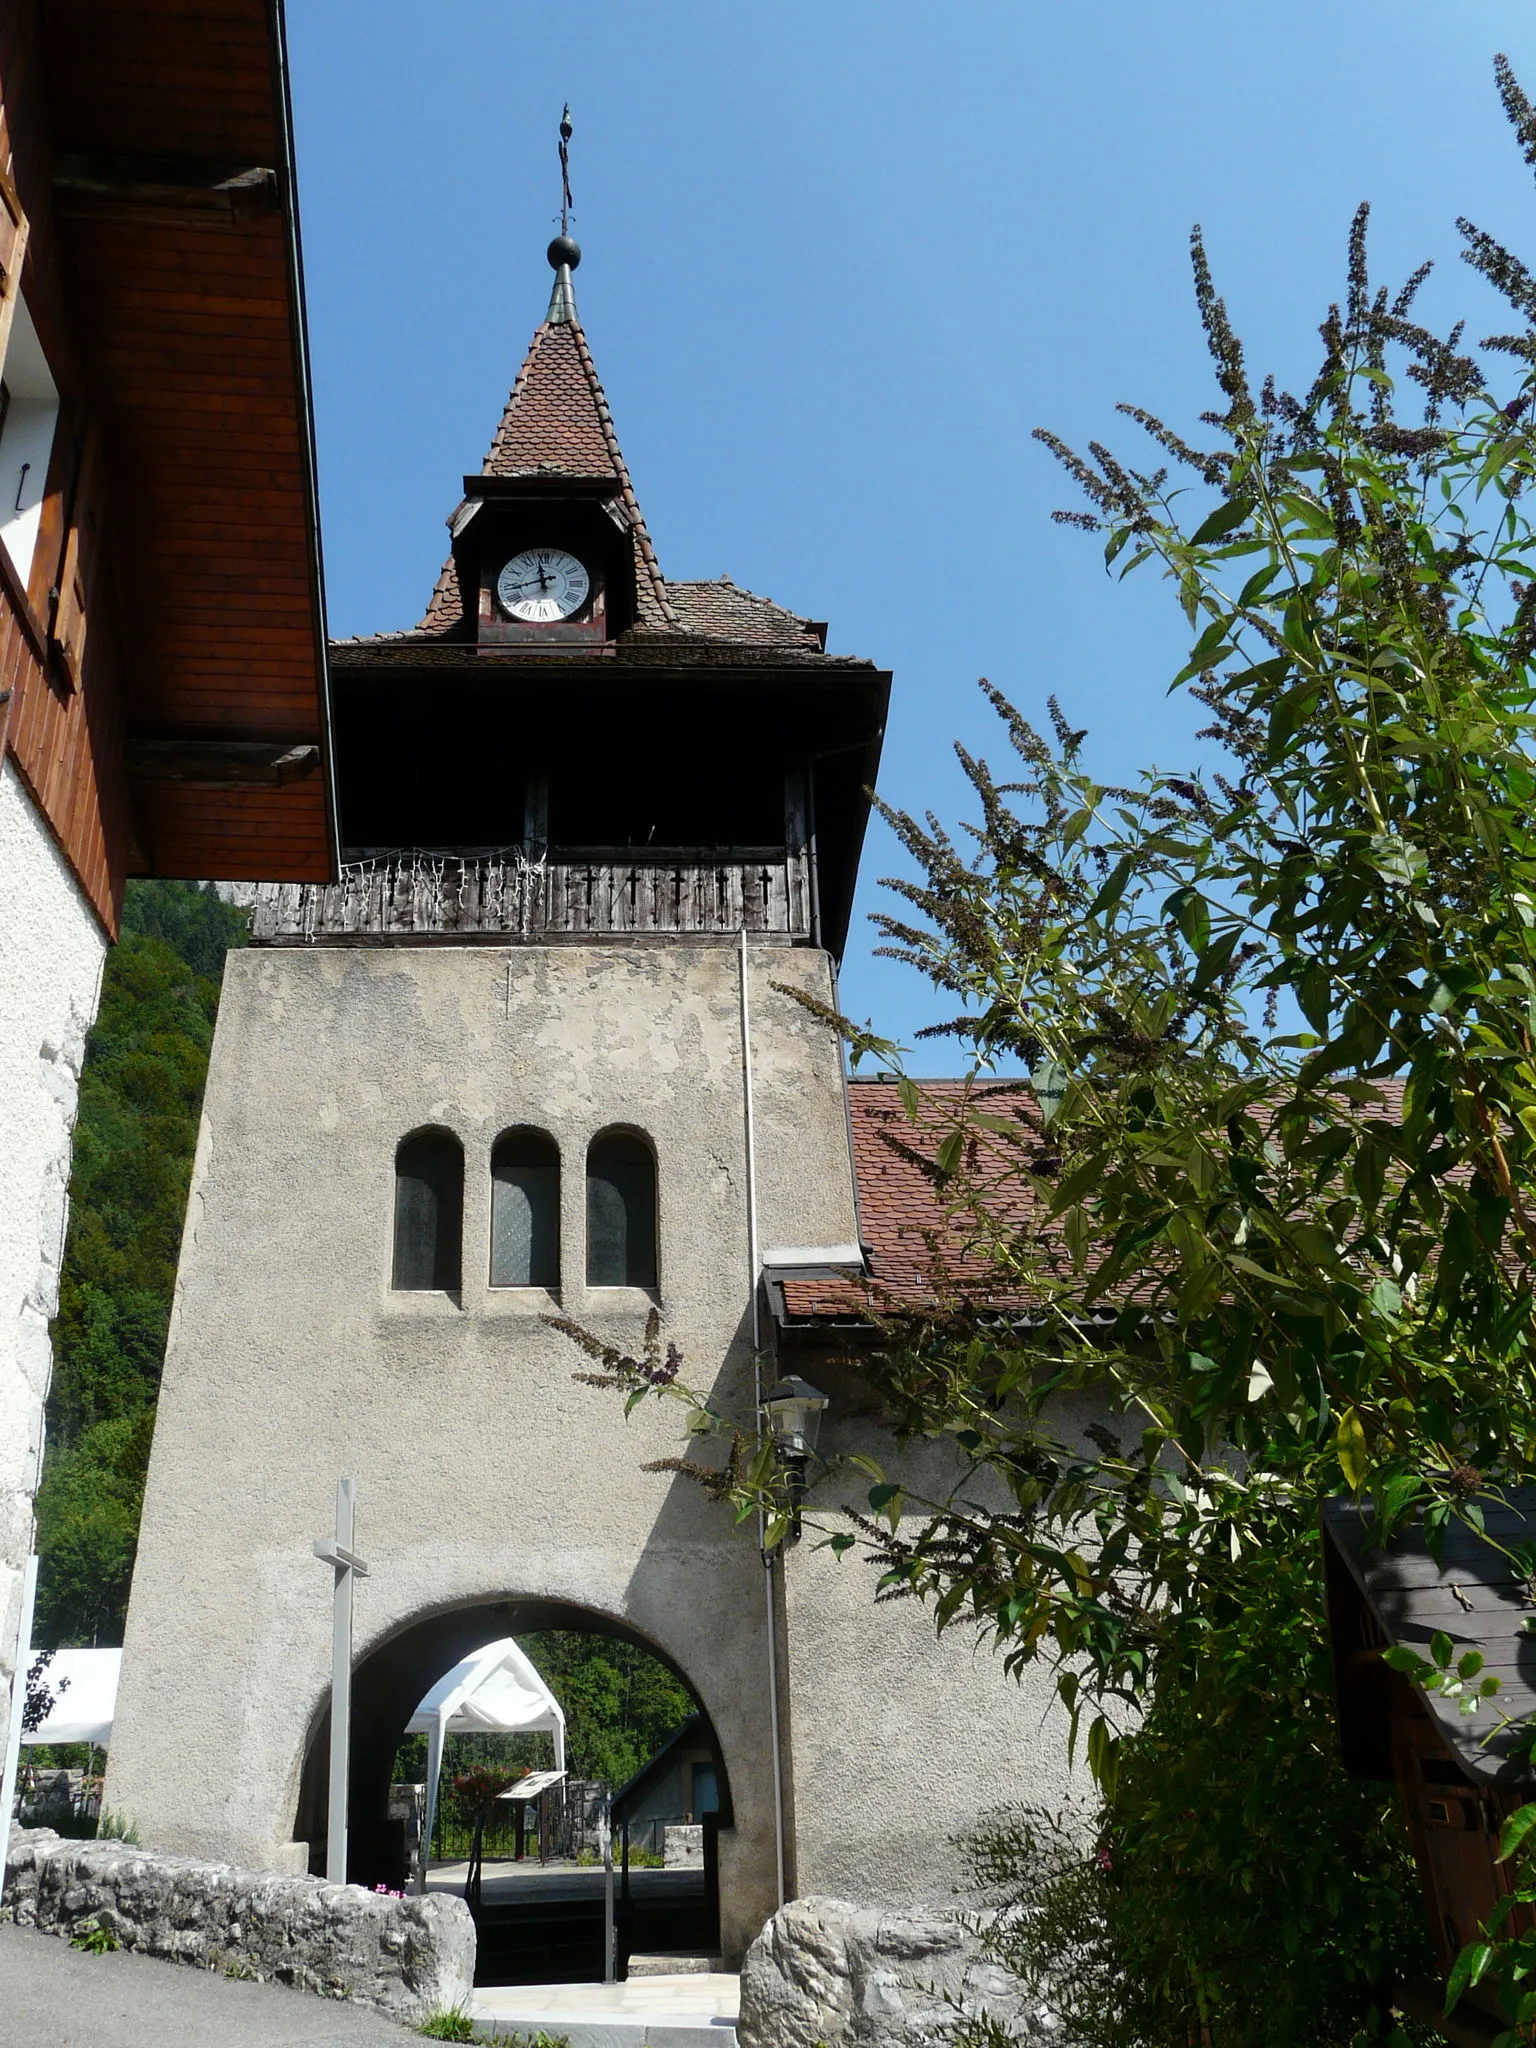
x: 485, y: 1473
x: 407, y: 1956
x: 51, y: 953
x: 827, y: 1974
x: 899, y: 1738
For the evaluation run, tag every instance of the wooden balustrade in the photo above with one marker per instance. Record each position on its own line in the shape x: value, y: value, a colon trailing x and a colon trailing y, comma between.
x: 507, y: 898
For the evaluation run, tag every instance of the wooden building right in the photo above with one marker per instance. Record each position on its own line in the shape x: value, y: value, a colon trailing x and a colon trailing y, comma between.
x: 1459, y: 1776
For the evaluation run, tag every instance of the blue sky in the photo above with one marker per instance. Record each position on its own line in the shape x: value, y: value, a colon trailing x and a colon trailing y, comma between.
x: 840, y: 259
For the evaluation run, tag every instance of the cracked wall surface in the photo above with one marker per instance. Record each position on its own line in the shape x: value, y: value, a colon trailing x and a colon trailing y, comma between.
x: 51, y: 954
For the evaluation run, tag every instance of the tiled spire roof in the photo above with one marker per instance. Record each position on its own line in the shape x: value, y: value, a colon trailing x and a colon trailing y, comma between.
x: 557, y: 424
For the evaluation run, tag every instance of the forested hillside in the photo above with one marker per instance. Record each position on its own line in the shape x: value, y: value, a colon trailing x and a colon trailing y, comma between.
x: 140, y: 1096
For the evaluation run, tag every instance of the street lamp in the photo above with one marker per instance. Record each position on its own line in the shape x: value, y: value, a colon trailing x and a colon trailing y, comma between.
x: 794, y: 1409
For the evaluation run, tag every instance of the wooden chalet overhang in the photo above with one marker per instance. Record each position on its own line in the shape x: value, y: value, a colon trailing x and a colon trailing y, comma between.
x: 152, y: 155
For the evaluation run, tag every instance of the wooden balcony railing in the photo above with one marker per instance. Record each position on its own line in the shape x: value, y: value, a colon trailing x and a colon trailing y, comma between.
x: 505, y: 898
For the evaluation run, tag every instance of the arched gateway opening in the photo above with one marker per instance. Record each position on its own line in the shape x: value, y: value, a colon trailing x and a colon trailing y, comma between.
x: 540, y: 1918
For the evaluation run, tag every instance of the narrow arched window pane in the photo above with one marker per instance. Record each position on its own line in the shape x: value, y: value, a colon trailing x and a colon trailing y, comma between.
x: 525, y: 1210
x: 429, y: 1210
x: 621, y: 1212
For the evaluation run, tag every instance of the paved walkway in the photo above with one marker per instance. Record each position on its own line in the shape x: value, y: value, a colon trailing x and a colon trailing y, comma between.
x: 696, y: 2011
x: 55, y: 1996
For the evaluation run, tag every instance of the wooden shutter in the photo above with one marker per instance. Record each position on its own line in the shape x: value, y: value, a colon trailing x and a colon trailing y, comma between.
x: 69, y: 599
x: 69, y: 618
x: 13, y: 240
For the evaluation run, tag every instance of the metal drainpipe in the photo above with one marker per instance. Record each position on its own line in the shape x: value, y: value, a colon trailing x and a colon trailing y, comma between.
x: 755, y: 1279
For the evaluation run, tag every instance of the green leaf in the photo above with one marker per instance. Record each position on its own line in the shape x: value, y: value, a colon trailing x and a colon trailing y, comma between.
x: 1353, y: 1459
x: 1516, y: 1828
x: 1287, y: 715
x: 1441, y: 1649
x: 1396, y: 860
x: 947, y: 1158
x: 1190, y: 912
x: 1400, y: 1658
x: 1049, y: 1082
x: 1224, y: 520
x: 911, y: 1100
x: 1215, y: 959
x: 887, y: 1500
x: 1103, y: 1754
x: 1467, y: 1970
x: 1387, y: 1297
x: 1113, y: 887
x: 1078, y: 1233
x: 1263, y: 676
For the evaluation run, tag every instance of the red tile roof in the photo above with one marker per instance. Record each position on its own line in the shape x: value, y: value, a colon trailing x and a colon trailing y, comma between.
x: 914, y: 1235
x: 556, y: 421
x: 723, y: 611
x: 910, y: 1231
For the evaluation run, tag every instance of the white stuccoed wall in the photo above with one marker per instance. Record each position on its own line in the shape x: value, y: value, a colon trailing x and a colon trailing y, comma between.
x: 51, y: 953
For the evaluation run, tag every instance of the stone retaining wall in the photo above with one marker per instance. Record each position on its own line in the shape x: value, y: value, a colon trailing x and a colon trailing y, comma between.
x: 406, y: 1956
x: 827, y: 1974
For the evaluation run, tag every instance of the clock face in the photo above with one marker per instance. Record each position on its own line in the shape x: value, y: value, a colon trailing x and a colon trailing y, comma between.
x: 542, y: 584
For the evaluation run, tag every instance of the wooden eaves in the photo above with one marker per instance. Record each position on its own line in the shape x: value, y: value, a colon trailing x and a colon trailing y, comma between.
x: 160, y: 182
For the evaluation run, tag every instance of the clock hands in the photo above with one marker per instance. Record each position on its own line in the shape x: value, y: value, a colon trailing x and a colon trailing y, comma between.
x: 541, y: 584
x: 546, y: 581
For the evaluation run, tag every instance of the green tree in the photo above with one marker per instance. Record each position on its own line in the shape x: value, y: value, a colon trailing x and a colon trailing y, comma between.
x: 621, y: 1703
x: 141, y: 1092
x: 1276, y: 1167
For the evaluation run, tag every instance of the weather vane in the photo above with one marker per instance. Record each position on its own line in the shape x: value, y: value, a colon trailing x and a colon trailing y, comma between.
x: 567, y: 204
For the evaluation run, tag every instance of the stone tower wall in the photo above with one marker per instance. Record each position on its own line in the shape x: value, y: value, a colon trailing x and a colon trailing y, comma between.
x: 485, y: 1472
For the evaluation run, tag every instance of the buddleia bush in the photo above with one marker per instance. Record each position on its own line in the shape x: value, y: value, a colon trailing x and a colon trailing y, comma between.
x: 1268, y: 1195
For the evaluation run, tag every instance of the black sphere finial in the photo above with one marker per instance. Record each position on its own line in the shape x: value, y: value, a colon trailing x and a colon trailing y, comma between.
x: 564, y: 250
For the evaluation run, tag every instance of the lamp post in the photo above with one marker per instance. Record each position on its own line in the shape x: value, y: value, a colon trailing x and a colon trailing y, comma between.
x: 794, y: 1410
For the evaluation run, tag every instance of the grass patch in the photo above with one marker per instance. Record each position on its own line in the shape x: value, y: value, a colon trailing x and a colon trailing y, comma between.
x: 95, y: 1939
x: 456, y: 2023
x: 449, y: 2023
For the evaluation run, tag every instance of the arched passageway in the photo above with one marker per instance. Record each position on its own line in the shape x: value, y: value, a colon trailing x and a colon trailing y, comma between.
x: 535, y: 1925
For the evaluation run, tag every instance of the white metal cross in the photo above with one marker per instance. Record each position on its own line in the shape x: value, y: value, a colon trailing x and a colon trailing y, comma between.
x: 339, y: 1554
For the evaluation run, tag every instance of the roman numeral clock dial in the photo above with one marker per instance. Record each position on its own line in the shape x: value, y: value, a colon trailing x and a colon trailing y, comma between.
x: 541, y: 585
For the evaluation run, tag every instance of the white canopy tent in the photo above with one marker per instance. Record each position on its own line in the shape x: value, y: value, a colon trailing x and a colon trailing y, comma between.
x: 494, y: 1691
x: 84, y: 1688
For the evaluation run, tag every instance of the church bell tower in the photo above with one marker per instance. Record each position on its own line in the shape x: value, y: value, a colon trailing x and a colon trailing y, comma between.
x: 535, y: 1052
x: 568, y: 745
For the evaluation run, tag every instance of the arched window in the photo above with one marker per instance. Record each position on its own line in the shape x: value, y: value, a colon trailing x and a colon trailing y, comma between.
x: 621, y: 1211
x: 429, y: 1210
x: 525, y: 1210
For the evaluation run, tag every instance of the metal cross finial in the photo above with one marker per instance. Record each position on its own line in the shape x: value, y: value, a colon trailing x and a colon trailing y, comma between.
x: 567, y: 204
